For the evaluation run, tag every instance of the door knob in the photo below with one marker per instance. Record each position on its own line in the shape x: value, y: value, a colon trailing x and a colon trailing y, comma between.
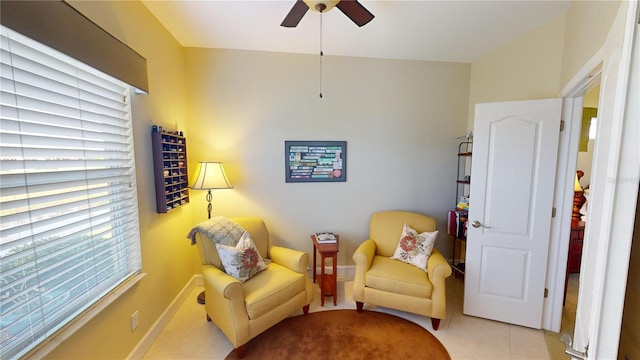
x: 477, y: 224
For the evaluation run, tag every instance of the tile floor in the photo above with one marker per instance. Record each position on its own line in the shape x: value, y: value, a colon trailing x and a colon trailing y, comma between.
x: 554, y: 345
x: 189, y: 336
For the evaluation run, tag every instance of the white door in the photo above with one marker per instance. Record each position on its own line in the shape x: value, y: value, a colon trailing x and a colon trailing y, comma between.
x: 512, y: 180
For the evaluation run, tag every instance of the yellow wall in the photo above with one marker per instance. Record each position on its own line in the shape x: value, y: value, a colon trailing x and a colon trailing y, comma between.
x: 588, y: 24
x: 167, y: 257
x: 585, y: 159
x: 399, y: 118
x: 528, y: 68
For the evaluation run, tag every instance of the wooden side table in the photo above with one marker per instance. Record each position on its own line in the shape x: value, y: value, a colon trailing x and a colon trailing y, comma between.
x: 328, y: 282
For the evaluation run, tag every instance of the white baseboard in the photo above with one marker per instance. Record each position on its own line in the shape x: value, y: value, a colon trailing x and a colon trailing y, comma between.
x: 198, y: 280
x: 344, y: 271
x: 158, y: 326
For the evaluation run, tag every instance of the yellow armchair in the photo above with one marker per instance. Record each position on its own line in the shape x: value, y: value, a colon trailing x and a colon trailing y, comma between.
x: 380, y: 280
x: 244, y: 310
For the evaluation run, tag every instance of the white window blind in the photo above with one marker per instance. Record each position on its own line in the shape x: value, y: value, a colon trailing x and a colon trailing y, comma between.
x: 69, y: 230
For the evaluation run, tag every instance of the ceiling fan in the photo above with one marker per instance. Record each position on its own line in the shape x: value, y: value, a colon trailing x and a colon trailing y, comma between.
x: 352, y: 8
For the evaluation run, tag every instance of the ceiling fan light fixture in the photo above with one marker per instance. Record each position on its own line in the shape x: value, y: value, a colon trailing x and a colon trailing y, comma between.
x: 316, y: 5
x: 351, y: 8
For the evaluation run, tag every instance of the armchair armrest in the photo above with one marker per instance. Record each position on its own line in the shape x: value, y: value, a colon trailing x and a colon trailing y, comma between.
x: 363, y: 257
x: 225, y: 303
x: 221, y: 283
x: 292, y: 259
x: 438, y: 269
x: 437, y: 266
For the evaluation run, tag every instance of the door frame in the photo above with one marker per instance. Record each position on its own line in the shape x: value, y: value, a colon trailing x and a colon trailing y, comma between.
x: 587, y: 78
x: 616, y: 221
x: 561, y: 227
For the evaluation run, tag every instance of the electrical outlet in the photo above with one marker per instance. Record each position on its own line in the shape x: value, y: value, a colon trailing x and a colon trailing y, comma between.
x: 134, y: 320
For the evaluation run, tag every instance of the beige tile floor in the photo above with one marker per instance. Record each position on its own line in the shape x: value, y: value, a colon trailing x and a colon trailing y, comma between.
x: 189, y: 336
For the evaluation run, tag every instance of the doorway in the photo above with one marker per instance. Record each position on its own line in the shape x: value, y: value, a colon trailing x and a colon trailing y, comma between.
x: 584, y: 165
x: 561, y: 313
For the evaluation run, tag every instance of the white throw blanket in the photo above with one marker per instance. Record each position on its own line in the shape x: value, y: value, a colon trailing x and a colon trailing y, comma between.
x: 220, y: 230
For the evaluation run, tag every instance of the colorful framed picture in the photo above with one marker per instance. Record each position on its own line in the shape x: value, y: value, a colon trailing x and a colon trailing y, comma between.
x: 315, y: 161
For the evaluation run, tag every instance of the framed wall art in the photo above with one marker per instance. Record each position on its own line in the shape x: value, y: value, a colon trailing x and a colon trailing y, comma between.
x: 315, y: 161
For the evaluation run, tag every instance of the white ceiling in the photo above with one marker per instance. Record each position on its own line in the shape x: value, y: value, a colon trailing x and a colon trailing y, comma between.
x: 456, y: 31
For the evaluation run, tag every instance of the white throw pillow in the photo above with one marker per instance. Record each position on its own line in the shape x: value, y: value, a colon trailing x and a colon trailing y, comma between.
x: 243, y: 260
x: 414, y: 248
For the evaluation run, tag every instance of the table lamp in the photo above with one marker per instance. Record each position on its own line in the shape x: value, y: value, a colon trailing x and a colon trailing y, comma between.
x: 210, y: 175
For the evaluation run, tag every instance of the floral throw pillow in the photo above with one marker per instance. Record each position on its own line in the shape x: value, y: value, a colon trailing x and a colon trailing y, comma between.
x: 414, y: 248
x: 243, y: 260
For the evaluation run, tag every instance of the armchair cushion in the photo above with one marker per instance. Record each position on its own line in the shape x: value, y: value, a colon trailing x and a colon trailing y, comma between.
x: 414, y: 248
x: 266, y: 290
x: 396, y: 277
x: 242, y: 261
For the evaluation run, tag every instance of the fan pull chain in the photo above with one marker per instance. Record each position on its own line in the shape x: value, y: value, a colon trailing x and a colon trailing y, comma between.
x: 321, y: 54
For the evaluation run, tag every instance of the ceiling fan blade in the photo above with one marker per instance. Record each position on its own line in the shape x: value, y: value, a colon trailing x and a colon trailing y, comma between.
x: 295, y: 14
x: 355, y: 11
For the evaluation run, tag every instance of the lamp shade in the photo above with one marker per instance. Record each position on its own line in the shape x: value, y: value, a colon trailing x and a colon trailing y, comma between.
x: 210, y: 175
x: 576, y: 184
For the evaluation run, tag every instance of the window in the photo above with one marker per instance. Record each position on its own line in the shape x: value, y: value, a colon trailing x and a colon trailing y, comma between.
x: 69, y: 230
